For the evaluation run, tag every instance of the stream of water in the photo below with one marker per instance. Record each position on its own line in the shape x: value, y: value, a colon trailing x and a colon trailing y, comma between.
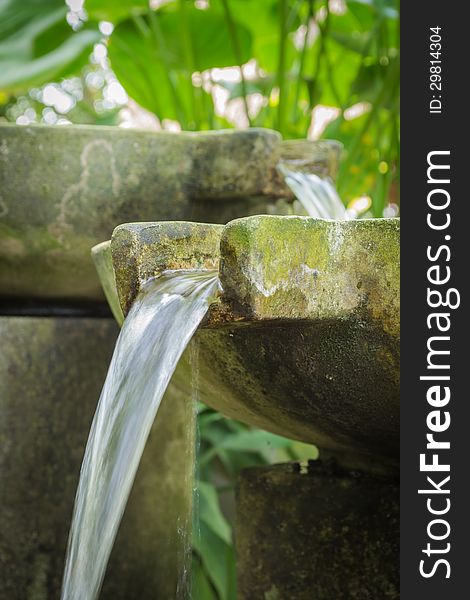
x: 155, y: 333
x: 318, y: 196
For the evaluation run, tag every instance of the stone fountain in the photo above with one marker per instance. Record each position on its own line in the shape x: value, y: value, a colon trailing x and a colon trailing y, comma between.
x: 63, y: 190
x: 303, y: 342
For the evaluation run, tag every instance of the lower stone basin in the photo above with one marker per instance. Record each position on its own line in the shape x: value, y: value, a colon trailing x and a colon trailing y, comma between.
x: 304, y: 339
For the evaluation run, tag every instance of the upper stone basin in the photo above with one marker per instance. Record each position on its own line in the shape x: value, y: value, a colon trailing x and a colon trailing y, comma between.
x: 64, y: 189
x: 304, y: 339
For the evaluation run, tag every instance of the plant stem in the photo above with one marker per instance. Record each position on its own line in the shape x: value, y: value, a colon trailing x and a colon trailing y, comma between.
x: 303, y: 54
x: 331, y: 80
x: 321, y: 51
x: 187, y: 44
x: 382, y: 95
x: 238, y: 55
x: 208, y: 103
x: 281, y: 66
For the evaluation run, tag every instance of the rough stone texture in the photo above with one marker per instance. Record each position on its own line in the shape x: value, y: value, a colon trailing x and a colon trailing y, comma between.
x: 304, y: 341
x: 316, y: 533
x: 143, y: 250
x: 101, y: 255
x: 51, y: 373
x: 64, y: 189
x: 304, y: 268
x: 333, y: 383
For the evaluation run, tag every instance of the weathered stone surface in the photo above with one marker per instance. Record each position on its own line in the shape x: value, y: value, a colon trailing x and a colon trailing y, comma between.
x: 64, y: 189
x: 316, y: 533
x: 101, y: 255
x: 304, y: 340
x: 143, y: 250
x: 274, y: 267
x: 51, y: 373
x: 304, y: 268
x: 333, y: 383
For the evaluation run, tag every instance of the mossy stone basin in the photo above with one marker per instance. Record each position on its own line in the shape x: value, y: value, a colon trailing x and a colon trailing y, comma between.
x: 304, y: 339
x: 64, y: 189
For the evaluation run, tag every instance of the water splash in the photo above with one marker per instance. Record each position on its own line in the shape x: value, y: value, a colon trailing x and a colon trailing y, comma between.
x: 158, y: 328
x: 318, y: 196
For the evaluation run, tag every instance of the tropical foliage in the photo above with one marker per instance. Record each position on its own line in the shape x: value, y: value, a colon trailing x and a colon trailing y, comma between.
x: 295, y: 65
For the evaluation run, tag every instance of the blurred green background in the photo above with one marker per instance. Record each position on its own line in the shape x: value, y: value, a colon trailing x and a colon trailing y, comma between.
x: 308, y: 68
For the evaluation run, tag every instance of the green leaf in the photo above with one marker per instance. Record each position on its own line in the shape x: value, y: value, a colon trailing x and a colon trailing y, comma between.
x: 302, y: 451
x: 217, y: 558
x: 210, y: 39
x: 140, y: 70
x: 209, y: 35
x: 374, y: 79
x: 213, y: 553
x: 254, y: 440
x: 148, y: 57
x: 364, y: 13
x: 261, y: 17
x: 115, y: 10
x: 210, y: 513
x: 383, y: 8
x: 37, y: 45
x: 200, y: 586
x: 357, y: 42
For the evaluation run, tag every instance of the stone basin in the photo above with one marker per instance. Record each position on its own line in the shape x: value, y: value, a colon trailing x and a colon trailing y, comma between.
x: 64, y: 189
x: 304, y: 339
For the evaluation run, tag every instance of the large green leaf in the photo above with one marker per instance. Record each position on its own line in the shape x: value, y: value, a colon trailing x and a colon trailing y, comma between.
x: 115, y: 10
x: 218, y: 561
x: 149, y: 56
x: 37, y: 45
x: 262, y: 18
x: 210, y: 513
x: 208, y: 30
x: 210, y: 39
x: 140, y: 70
x: 253, y: 440
x: 380, y: 8
x: 201, y: 588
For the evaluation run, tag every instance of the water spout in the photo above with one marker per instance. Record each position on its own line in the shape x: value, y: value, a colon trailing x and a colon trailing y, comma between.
x: 317, y: 195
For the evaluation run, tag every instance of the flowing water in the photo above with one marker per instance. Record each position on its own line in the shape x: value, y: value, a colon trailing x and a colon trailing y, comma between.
x: 158, y: 328
x: 318, y: 196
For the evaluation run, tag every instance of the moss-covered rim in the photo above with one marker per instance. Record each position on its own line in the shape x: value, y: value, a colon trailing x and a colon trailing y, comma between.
x: 141, y: 250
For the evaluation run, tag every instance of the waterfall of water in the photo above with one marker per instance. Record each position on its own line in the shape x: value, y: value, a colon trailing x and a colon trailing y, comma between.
x: 318, y: 196
x: 158, y: 328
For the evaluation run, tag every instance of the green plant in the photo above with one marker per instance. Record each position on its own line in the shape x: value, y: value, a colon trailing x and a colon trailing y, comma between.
x: 302, y: 55
x: 226, y: 447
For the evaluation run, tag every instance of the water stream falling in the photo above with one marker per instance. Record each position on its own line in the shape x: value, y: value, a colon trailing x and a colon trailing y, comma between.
x: 158, y: 328
x: 318, y: 196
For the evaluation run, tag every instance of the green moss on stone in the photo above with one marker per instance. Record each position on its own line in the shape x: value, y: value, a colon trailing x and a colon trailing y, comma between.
x: 143, y: 250
x: 304, y: 268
